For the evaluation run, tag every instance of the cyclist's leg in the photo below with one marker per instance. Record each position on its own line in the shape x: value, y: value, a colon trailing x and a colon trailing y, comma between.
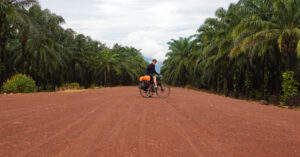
x: 155, y: 81
x: 151, y: 78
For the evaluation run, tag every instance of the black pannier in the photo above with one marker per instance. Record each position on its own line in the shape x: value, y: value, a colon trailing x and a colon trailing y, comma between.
x: 145, y: 85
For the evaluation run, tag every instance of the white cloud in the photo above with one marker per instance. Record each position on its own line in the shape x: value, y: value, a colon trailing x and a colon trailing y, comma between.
x: 146, y: 41
x: 145, y: 24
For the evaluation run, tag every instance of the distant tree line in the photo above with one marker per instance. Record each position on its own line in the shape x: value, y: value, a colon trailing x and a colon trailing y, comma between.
x: 244, y: 50
x: 33, y: 42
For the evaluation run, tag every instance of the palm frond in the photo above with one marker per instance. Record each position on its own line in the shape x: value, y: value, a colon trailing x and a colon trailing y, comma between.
x: 298, y: 48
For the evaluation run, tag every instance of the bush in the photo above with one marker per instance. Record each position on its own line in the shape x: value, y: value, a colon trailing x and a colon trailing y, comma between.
x: 74, y: 86
x: 71, y: 86
x: 93, y: 86
x: 289, y: 86
x: 293, y: 101
x: 48, y: 88
x: 256, y: 95
x: 188, y: 87
x: 274, y: 99
x: 19, y: 84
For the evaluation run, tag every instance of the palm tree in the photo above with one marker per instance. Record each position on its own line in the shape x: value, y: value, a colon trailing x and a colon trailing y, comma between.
x: 282, y: 27
x: 132, y: 63
x: 216, y: 42
x: 43, y: 48
x: 11, y: 12
x: 35, y: 43
x: 107, y: 68
x: 11, y: 16
x: 177, y: 67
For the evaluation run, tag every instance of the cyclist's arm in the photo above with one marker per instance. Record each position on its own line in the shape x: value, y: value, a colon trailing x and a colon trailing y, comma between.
x: 155, y: 71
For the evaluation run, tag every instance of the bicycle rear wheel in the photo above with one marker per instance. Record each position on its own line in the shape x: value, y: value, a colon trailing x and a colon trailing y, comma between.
x: 163, y: 90
x: 144, y: 93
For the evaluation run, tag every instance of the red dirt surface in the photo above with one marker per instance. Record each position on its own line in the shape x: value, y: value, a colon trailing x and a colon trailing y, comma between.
x: 117, y: 122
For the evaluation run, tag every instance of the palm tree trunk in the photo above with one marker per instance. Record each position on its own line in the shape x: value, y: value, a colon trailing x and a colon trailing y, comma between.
x: 277, y: 79
x: 225, y: 86
x: 264, y: 73
x: 23, y: 44
x: 288, y: 60
x: 3, y: 58
x: 53, y: 84
x: 225, y: 77
x: 2, y: 38
x: 290, y: 49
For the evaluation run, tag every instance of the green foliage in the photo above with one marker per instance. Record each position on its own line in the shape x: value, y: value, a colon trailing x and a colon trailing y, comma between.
x: 188, y: 87
x: 33, y: 42
x: 19, y: 84
x: 48, y: 87
x: 248, y: 83
x: 258, y: 95
x: 93, y: 86
x: 178, y: 68
x: 266, y: 82
x: 243, y: 50
x: 235, y: 84
x: 289, y: 86
x: 73, y: 85
x: 293, y: 101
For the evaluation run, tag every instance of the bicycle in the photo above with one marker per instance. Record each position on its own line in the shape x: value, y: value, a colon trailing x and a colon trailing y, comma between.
x: 162, y: 90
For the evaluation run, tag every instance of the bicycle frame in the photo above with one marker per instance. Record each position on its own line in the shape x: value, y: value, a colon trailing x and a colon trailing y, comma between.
x: 151, y: 86
x: 149, y: 92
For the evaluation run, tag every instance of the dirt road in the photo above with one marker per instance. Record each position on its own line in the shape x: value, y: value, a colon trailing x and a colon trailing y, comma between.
x: 117, y: 122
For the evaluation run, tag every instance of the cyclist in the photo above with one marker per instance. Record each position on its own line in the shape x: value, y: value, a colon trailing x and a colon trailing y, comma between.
x: 151, y: 71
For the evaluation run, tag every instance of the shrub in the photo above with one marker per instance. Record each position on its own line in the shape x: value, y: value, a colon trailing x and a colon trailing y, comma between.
x: 188, y: 87
x: 258, y: 95
x: 74, y: 86
x: 71, y: 86
x: 289, y: 86
x: 48, y: 87
x: 274, y: 99
x: 293, y: 101
x: 93, y: 86
x: 19, y: 84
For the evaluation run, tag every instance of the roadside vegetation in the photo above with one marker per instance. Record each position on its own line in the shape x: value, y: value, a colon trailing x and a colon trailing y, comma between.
x: 19, y: 84
x: 249, y: 50
x: 34, y: 43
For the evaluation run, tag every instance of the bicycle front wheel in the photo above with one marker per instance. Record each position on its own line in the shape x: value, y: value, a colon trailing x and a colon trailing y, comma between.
x: 163, y: 90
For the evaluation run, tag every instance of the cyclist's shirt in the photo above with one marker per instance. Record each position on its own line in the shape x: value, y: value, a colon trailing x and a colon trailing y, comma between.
x: 151, y: 70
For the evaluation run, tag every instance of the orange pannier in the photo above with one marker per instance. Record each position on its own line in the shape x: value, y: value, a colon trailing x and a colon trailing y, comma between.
x: 141, y: 78
x: 145, y: 78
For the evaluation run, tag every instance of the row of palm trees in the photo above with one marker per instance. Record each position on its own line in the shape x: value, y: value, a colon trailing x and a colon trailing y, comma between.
x: 33, y: 42
x: 242, y: 50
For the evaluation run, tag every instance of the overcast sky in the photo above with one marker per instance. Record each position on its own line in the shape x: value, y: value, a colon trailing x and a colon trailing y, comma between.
x: 145, y: 24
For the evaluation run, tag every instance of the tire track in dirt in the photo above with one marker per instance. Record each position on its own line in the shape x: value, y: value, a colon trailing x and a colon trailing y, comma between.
x: 24, y: 113
x: 185, y: 135
x: 98, y: 143
x: 118, y: 122
x: 12, y: 103
x: 102, y: 125
x: 241, y: 127
x: 8, y: 116
x: 53, y: 144
x: 27, y: 133
x: 141, y: 133
x: 197, y: 135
